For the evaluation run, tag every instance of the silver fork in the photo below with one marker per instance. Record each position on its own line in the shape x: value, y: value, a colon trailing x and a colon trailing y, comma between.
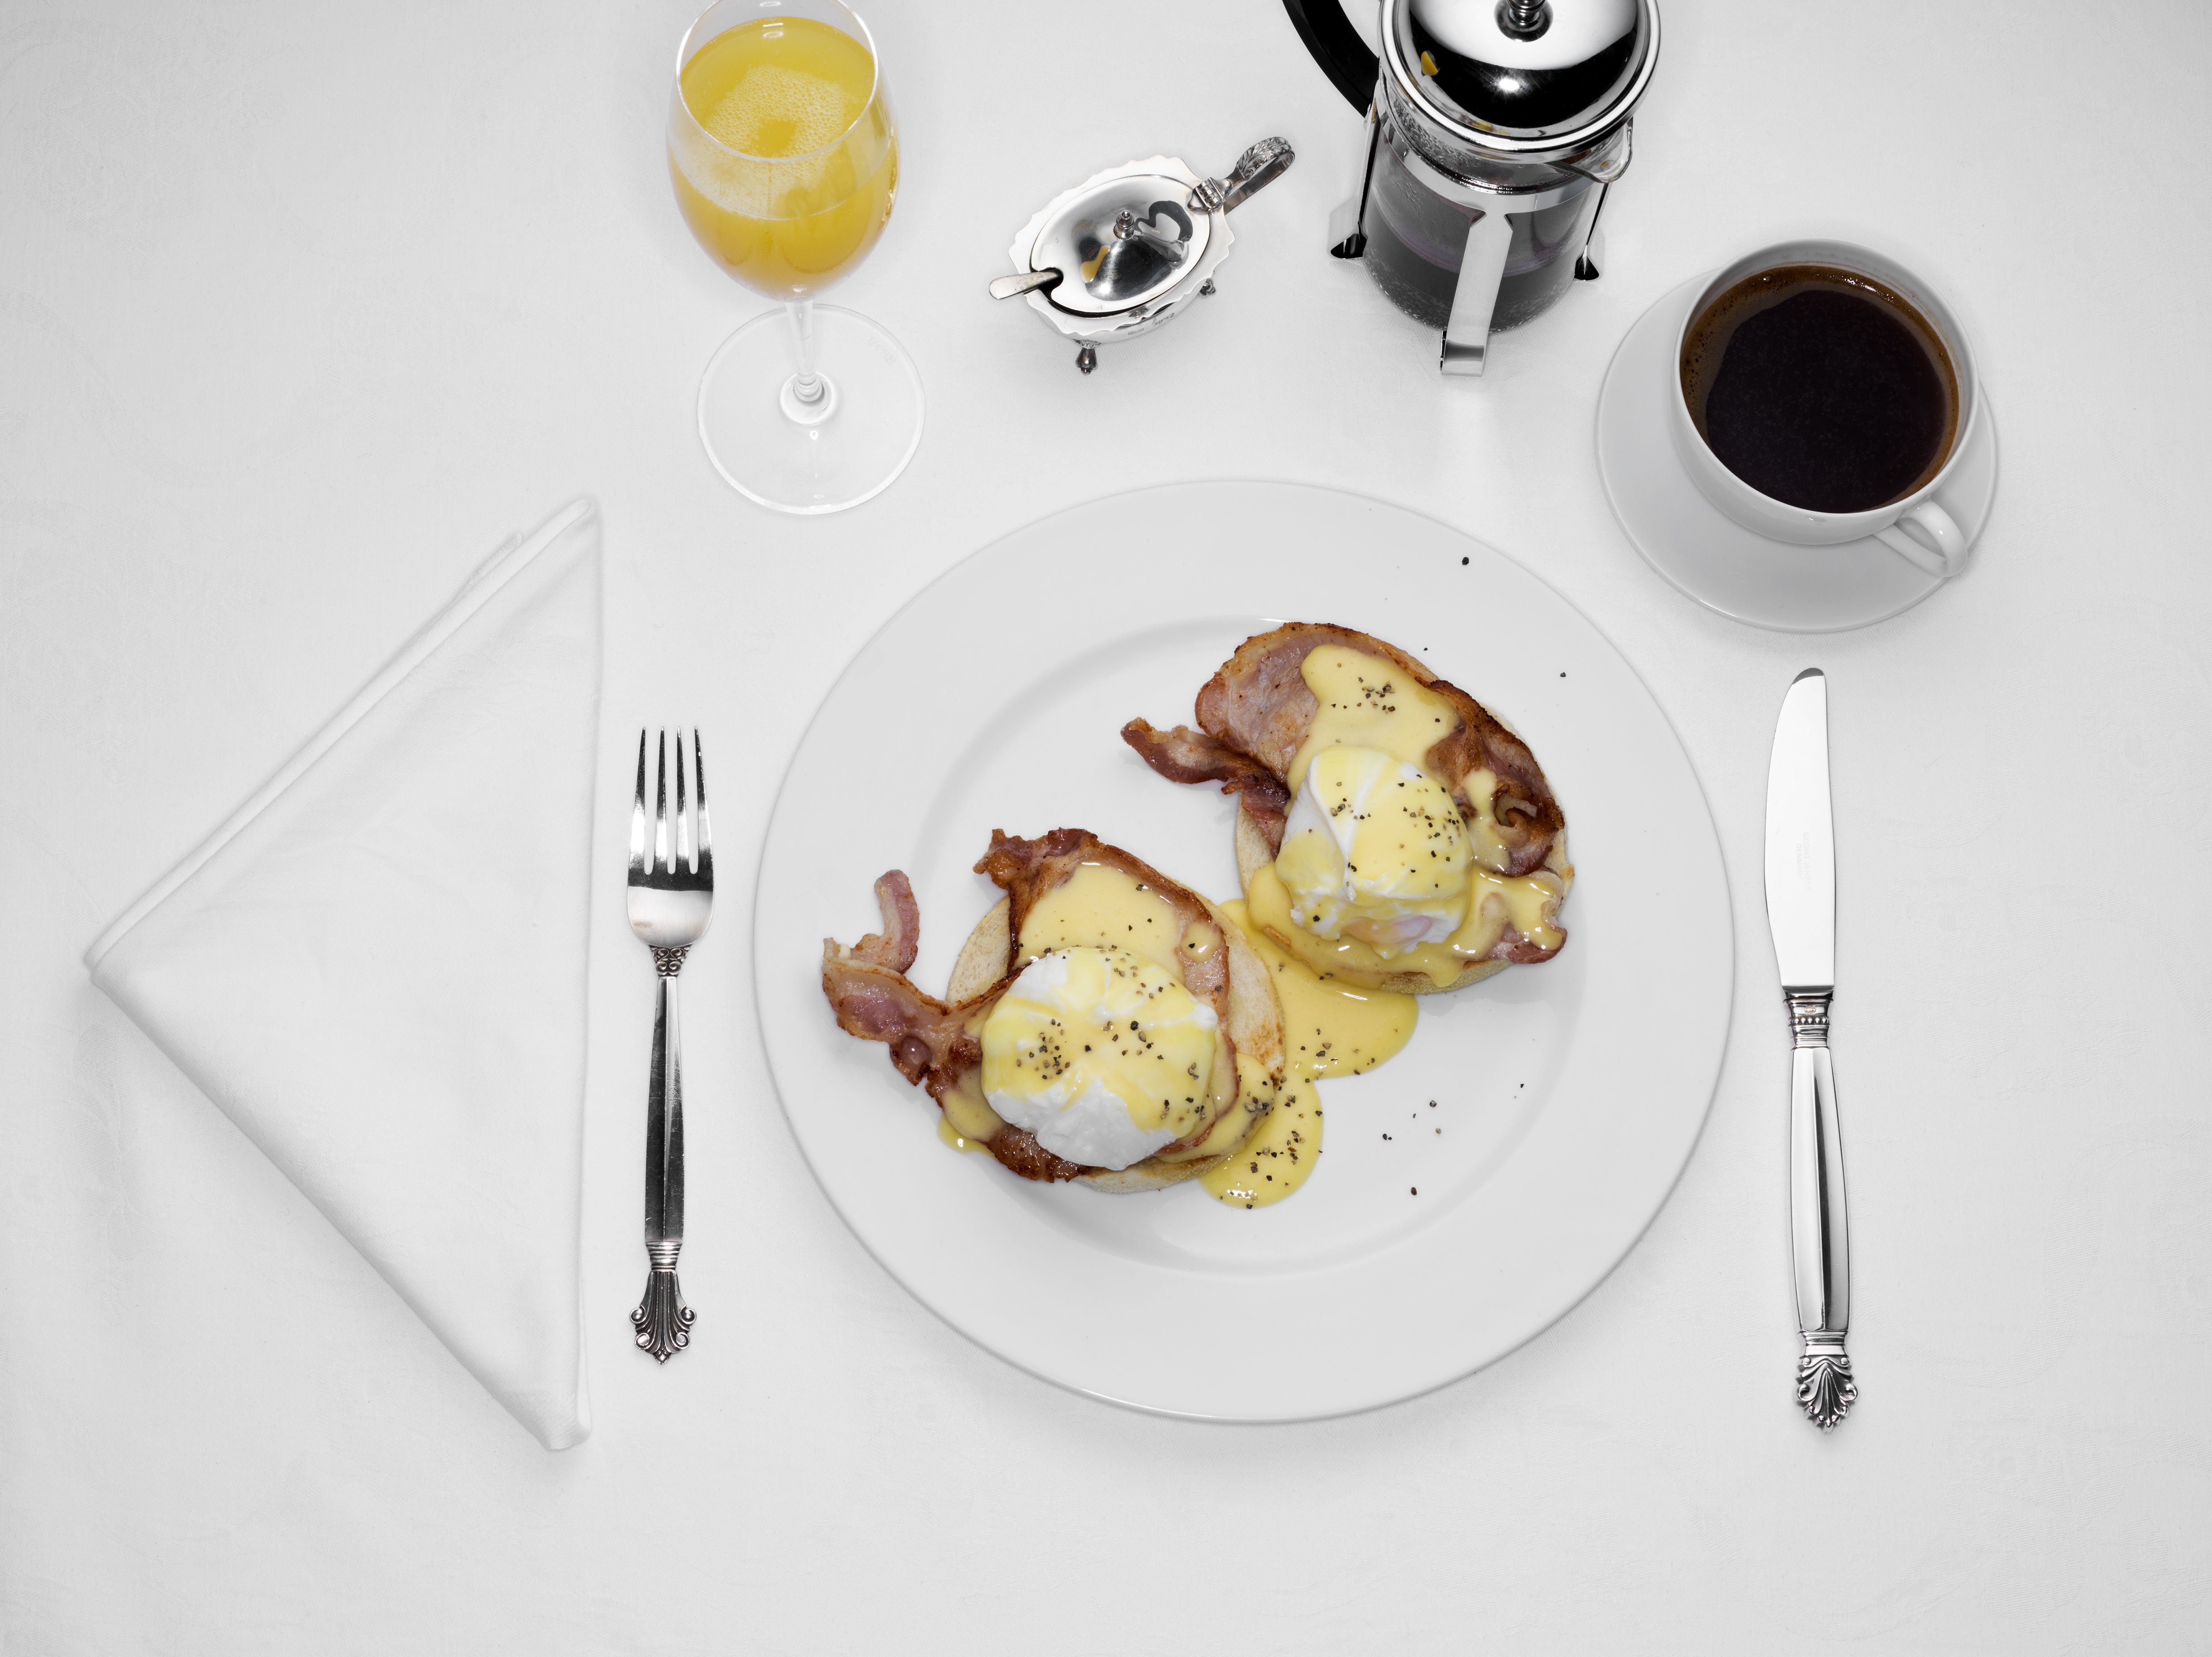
x: 671, y: 894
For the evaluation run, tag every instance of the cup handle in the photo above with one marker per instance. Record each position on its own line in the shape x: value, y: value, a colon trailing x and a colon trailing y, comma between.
x: 1942, y: 552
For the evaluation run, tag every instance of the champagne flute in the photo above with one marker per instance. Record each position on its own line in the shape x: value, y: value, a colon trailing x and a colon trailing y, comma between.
x: 784, y: 156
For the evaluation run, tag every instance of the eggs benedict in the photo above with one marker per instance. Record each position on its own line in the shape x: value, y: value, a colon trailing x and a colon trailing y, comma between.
x: 1102, y: 1023
x: 1391, y: 832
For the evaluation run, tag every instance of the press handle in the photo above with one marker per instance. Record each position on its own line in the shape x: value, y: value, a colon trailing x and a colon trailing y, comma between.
x: 1466, y: 346
x: 1337, y: 47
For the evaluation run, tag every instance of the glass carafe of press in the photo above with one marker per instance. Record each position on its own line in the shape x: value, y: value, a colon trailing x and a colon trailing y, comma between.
x: 1495, y: 130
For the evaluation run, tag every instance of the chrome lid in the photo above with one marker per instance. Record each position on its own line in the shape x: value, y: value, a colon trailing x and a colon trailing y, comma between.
x: 1523, y: 75
x: 1120, y: 240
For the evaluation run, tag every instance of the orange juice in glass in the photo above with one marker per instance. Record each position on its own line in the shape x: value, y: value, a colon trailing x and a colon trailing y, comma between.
x: 784, y: 156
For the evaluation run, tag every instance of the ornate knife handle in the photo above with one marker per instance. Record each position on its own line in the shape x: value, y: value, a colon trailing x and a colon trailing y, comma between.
x: 662, y: 1320
x: 1820, y: 1237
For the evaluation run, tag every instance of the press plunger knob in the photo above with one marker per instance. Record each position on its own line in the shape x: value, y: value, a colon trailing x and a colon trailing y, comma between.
x: 1524, y: 20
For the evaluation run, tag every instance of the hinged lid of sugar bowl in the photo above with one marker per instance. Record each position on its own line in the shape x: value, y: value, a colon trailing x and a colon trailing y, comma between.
x: 1125, y: 250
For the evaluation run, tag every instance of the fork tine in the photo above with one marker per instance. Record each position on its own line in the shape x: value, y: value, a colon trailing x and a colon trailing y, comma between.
x: 661, y: 865
x: 637, y: 813
x: 699, y: 780
x: 683, y: 841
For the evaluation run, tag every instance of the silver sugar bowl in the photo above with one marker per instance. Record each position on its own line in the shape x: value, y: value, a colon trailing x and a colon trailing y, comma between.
x: 1128, y: 248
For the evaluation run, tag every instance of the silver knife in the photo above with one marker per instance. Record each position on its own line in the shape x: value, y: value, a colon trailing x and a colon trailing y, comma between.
x: 1801, y: 913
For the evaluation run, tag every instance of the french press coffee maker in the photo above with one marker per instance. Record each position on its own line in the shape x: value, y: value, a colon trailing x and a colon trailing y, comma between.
x: 1495, y: 128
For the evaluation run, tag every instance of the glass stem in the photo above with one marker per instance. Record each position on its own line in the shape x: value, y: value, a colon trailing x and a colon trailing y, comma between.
x: 806, y: 385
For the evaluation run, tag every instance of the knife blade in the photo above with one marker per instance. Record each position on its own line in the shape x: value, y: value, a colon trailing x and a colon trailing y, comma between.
x: 1800, y: 914
x: 1801, y: 840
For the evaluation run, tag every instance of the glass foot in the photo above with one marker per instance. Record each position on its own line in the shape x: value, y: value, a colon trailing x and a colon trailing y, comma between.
x: 772, y: 445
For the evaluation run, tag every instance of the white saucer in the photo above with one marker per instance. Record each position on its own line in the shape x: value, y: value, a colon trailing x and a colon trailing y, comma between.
x: 1707, y: 555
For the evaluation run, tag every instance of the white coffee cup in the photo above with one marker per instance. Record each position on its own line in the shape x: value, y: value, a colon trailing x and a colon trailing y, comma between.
x: 1916, y: 526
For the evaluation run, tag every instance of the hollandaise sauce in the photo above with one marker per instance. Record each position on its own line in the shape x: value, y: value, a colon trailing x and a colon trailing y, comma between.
x: 1277, y: 1157
x: 1377, y: 873
x: 966, y: 1121
x: 1104, y: 922
x: 1102, y: 905
x: 953, y: 1137
x: 1104, y: 1056
x: 1329, y: 1029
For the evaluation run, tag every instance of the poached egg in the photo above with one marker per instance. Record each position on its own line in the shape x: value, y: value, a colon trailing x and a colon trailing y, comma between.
x: 1104, y: 1056
x: 1374, y: 849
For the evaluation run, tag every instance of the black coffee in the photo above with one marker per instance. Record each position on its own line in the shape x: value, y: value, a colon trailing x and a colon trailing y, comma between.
x: 1821, y: 387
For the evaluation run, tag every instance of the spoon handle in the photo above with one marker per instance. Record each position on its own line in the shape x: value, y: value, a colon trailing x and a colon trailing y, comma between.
x: 1028, y: 282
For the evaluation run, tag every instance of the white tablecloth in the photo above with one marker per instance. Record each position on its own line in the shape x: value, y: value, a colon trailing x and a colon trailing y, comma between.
x: 303, y: 310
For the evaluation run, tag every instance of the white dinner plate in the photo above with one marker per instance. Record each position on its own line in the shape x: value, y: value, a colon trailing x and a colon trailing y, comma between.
x: 1432, y: 1238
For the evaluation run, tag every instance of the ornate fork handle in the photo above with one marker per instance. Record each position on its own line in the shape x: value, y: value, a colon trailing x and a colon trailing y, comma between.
x: 662, y: 1320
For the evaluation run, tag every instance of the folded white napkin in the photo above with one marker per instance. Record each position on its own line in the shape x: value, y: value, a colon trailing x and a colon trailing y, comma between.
x: 376, y: 967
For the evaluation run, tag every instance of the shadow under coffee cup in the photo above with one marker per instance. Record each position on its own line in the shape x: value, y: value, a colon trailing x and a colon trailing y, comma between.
x: 1832, y: 375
